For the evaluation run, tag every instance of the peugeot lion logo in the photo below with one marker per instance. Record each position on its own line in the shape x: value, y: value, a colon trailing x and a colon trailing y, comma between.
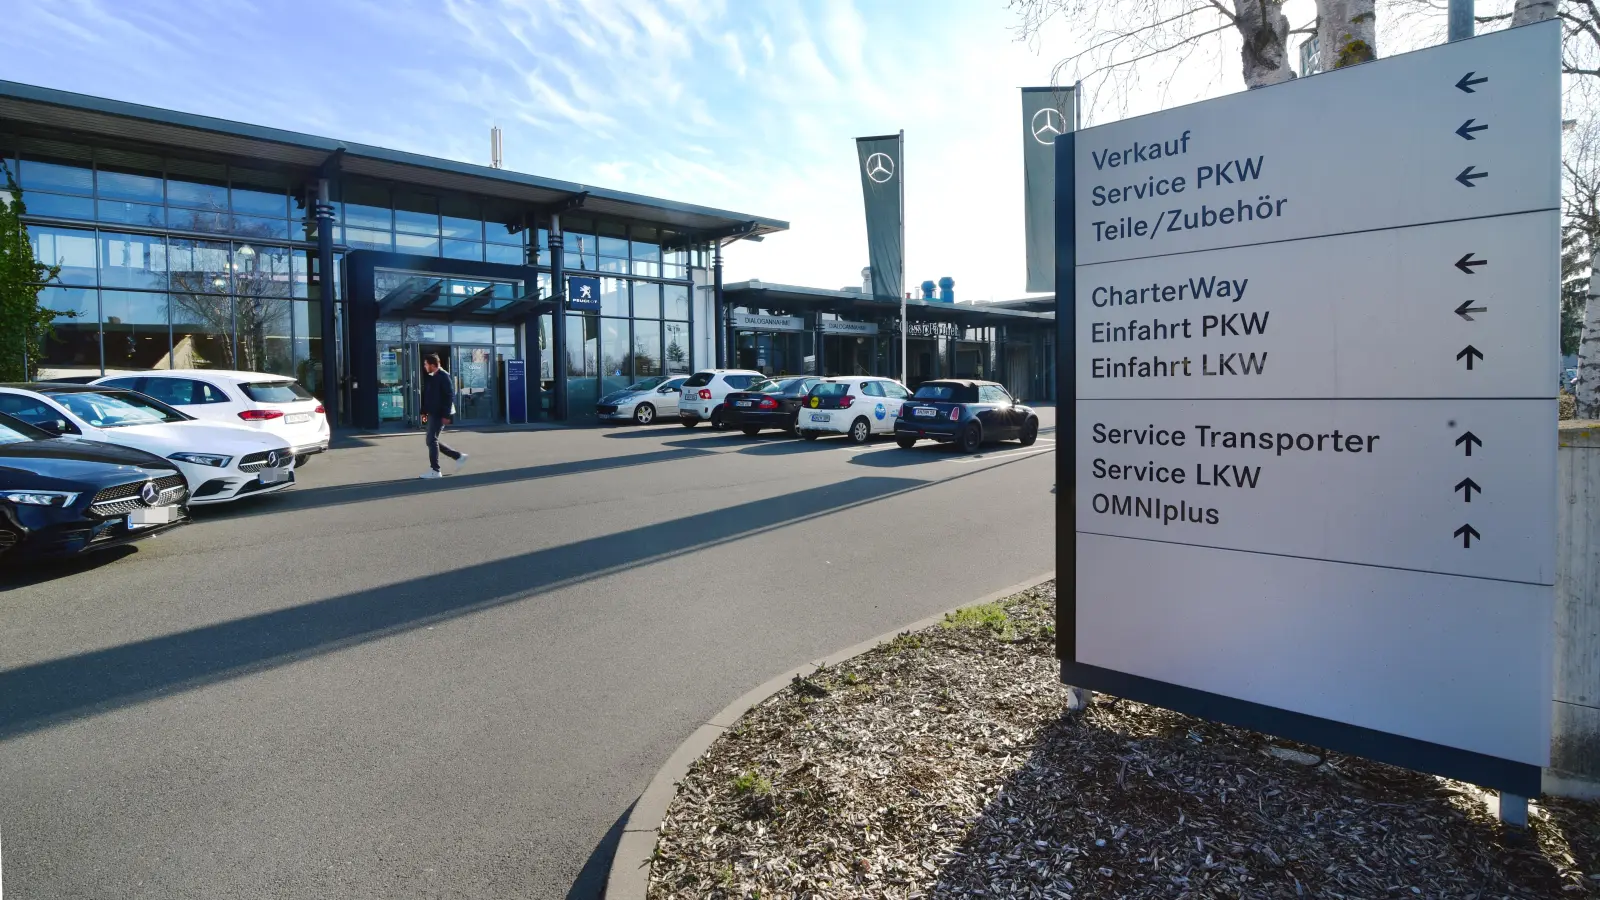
x: 1048, y: 125
x: 149, y: 493
x: 272, y: 459
x: 880, y: 167
x: 584, y: 292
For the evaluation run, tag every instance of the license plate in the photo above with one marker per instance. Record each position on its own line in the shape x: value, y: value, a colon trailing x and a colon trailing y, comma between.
x: 821, y: 417
x: 296, y: 418
x: 273, y: 476
x: 924, y: 412
x: 744, y: 403
x: 155, y: 515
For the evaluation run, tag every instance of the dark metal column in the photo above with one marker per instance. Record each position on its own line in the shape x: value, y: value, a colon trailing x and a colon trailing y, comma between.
x: 558, y: 322
x: 717, y: 310
x: 328, y: 385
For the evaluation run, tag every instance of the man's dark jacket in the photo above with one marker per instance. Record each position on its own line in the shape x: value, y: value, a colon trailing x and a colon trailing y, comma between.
x: 438, y: 395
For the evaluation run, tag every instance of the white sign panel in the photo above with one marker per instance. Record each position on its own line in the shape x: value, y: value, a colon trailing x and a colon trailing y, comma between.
x: 1314, y: 468
x: 768, y: 323
x: 1378, y: 146
x: 839, y: 326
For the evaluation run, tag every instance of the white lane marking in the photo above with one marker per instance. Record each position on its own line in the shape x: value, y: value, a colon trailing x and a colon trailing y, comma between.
x: 985, y: 457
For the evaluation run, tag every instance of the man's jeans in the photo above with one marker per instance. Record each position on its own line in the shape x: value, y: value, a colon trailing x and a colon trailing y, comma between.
x: 435, y: 426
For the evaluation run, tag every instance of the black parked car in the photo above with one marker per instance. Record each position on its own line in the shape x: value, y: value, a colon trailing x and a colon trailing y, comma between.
x: 968, y: 413
x: 773, y: 403
x: 61, y: 496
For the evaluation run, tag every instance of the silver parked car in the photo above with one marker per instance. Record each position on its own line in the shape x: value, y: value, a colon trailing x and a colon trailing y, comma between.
x: 644, y: 401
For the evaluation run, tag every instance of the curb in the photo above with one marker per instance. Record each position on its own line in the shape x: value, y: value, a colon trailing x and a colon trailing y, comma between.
x: 629, y: 877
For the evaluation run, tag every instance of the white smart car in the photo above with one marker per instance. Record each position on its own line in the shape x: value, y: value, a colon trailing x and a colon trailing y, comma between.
x: 268, y: 403
x: 644, y: 401
x: 219, y: 462
x: 703, y: 394
x: 859, y: 407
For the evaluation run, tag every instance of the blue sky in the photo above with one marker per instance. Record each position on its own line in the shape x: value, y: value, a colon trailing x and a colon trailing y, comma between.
x: 747, y: 105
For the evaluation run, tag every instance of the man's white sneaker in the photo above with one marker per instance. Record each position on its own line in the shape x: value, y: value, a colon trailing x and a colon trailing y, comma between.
x: 461, y: 461
x: 431, y: 473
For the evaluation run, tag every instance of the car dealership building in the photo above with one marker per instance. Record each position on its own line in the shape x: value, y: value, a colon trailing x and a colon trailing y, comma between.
x: 191, y: 242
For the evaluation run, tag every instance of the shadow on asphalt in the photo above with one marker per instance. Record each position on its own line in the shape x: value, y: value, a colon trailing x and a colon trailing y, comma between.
x: 14, y: 574
x: 591, y: 881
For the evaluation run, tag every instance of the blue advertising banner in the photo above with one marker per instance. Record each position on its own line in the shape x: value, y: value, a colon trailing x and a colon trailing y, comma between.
x: 583, y: 293
x: 516, y: 391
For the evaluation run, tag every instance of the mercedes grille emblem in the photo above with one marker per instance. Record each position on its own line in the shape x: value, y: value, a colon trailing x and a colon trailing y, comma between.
x: 272, y: 459
x: 149, y: 493
x: 880, y: 167
x: 1048, y: 124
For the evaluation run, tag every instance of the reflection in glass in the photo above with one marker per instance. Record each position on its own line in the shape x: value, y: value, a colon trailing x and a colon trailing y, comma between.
x: 676, y: 351
x: 264, y: 334
x: 583, y: 364
x: 202, y: 331
x: 73, y: 347
x: 260, y: 193
x: 131, y: 177
x: 416, y: 213
x: 134, y: 330
x: 472, y: 334
x: 133, y: 261
x: 197, y: 185
x: 416, y: 244
x: 368, y: 239
x: 646, y: 300
x: 199, y: 267
x: 57, y: 206
x: 367, y: 206
x: 646, y: 348
x: 123, y: 213
x: 502, y: 253
x: 463, y: 250
x: 675, y: 298
x: 613, y: 297
x: 63, y: 169
x: 461, y: 218
x: 616, y: 352
x: 69, y: 248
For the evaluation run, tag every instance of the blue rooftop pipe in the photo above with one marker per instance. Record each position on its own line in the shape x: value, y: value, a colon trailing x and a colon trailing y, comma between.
x: 947, y: 289
x: 927, y: 290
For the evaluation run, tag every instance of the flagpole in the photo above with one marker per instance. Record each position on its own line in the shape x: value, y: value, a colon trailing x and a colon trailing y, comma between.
x: 904, y: 327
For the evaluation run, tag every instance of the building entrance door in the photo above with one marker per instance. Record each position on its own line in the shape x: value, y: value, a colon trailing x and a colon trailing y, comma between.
x: 471, y: 366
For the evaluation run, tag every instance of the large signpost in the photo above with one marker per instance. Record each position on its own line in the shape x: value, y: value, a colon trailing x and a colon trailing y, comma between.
x: 1310, y: 332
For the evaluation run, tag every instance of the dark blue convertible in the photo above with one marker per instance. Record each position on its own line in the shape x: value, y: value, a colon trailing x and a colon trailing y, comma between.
x: 966, y: 413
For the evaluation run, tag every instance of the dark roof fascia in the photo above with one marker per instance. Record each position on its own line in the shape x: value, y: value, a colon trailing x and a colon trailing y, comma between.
x: 776, y: 293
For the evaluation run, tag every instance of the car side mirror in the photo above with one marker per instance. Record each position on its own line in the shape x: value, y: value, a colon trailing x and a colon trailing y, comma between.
x: 56, y: 426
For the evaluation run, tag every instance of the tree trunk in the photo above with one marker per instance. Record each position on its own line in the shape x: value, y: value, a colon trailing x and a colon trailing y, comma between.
x: 1346, y: 33
x: 1527, y: 12
x: 1265, y: 33
x: 1588, y: 388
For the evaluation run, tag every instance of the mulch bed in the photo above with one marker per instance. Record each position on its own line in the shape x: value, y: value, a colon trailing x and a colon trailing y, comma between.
x: 946, y: 764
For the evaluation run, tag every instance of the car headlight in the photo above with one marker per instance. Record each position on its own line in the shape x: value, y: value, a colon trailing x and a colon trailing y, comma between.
x: 203, y: 459
x: 41, y: 498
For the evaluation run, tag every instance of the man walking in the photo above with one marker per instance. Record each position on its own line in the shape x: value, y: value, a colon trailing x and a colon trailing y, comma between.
x: 438, y: 405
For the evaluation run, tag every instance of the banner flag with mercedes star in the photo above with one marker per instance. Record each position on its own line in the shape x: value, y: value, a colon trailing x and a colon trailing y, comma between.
x: 880, y: 185
x: 1047, y: 113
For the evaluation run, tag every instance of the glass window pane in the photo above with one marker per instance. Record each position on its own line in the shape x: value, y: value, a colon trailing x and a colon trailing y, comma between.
x: 368, y: 239
x: 608, y: 264
x: 675, y: 298
x: 416, y: 213
x: 73, y: 346
x: 676, y: 351
x: 202, y: 331
x: 499, y: 219
x: 134, y: 177
x: 258, y: 228
x: 54, y: 166
x: 646, y: 347
x: 367, y: 206
x: 416, y: 243
x: 263, y: 324
x: 614, y: 247
x: 646, y: 300
x: 198, y: 185
x: 69, y: 248
x: 505, y: 335
x: 613, y: 297
x: 461, y: 217
x: 644, y: 267
x: 199, y: 267
x: 263, y: 272
x: 463, y: 250
x: 472, y: 334
x: 644, y: 245
x: 258, y: 193
x: 135, y: 325
x: 57, y: 206
x: 673, y: 271
x: 616, y: 351
x: 578, y: 250
x: 216, y: 221
x: 133, y: 261
x: 543, y: 243
x: 124, y: 213
x: 583, y: 347
x: 501, y: 253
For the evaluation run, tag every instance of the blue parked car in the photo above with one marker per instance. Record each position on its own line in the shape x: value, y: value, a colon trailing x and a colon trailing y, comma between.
x: 966, y: 413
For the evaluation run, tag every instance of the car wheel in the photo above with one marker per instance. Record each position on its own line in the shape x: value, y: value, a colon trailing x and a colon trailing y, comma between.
x: 750, y: 432
x: 716, y: 419
x: 794, y: 425
x: 971, y: 438
x: 644, y: 414
x: 861, y: 430
x: 808, y: 435
x: 1030, y: 433
x: 688, y: 423
x: 906, y: 443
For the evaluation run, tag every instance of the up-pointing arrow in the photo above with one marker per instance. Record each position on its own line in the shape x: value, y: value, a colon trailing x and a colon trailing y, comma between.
x: 1467, y: 533
x: 1466, y: 486
x: 1466, y: 263
x: 1469, y: 439
x: 1468, y: 176
x: 1467, y: 128
x: 1469, y: 353
x: 1467, y: 81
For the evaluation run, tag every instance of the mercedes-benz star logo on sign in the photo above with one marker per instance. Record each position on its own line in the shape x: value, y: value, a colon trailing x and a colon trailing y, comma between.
x: 272, y: 459
x: 149, y: 493
x: 880, y: 167
x: 1048, y: 124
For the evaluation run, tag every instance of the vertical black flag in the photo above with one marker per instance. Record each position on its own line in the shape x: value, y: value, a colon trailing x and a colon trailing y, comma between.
x: 1047, y: 113
x: 881, y: 187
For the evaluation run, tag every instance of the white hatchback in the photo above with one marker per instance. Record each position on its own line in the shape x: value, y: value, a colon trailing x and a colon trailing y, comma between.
x: 859, y: 407
x: 268, y: 403
x: 220, y: 462
x: 706, y: 390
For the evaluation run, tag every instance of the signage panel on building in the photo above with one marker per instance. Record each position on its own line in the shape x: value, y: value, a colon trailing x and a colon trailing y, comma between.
x: 583, y: 293
x: 755, y: 322
x: 835, y: 326
x: 1314, y: 468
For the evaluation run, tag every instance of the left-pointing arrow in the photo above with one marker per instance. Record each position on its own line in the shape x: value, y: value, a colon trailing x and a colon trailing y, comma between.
x: 1468, y: 354
x: 1466, y: 486
x: 1467, y: 533
x: 1467, y: 176
x: 1466, y: 309
x: 1467, y: 128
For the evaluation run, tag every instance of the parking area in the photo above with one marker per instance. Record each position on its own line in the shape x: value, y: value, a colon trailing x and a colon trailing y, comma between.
x: 376, y: 686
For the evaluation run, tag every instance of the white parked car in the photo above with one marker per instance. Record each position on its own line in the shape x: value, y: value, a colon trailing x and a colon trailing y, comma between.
x: 267, y: 403
x: 220, y: 462
x: 703, y: 394
x: 859, y: 407
x: 643, y: 401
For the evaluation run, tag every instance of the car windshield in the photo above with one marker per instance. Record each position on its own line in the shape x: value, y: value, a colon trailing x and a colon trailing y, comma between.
x: 649, y: 384
x: 831, y: 389
x: 117, y: 409
x: 276, y: 392
x: 13, y: 431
